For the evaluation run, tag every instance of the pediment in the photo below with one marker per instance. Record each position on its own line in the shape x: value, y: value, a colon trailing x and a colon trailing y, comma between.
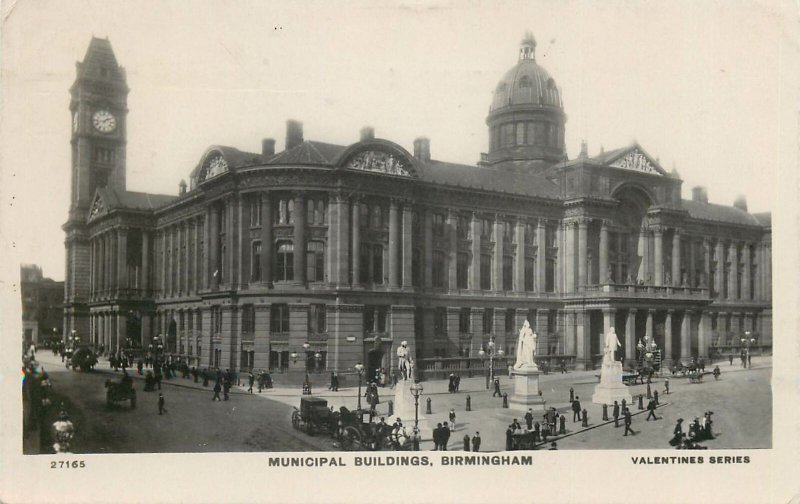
x: 636, y: 159
x: 379, y: 157
x: 97, y: 208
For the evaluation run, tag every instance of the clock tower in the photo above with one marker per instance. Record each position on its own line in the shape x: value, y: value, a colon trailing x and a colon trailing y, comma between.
x: 98, y: 108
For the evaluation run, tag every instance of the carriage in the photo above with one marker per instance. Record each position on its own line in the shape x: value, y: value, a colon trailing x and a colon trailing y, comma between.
x: 120, y: 391
x: 82, y: 358
x: 314, y: 416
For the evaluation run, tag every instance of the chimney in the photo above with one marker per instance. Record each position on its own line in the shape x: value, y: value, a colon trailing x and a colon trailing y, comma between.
x: 699, y: 193
x: 182, y: 187
x: 367, y: 133
x: 268, y: 147
x: 294, y: 133
x: 740, y: 202
x: 422, y: 149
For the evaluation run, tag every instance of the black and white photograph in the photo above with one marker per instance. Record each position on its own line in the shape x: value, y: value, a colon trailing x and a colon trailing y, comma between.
x: 254, y: 250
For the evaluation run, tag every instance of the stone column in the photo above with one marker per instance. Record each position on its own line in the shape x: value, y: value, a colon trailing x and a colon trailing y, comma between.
x: 267, y: 239
x: 719, y: 282
x: 452, y: 250
x: 560, y: 258
x: 676, y: 258
x: 394, y: 245
x: 145, y: 282
x: 231, y: 237
x: 541, y: 257
x: 571, y: 332
x: 707, y: 263
x: 408, y: 250
x: 428, y: 252
x: 519, y: 258
x: 733, y: 259
x: 475, y: 267
x: 171, y: 259
x: 667, y: 358
x: 582, y: 340
x: 759, y: 260
x: 583, y: 249
x: 649, y: 326
x: 196, y: 274
x: 746, y: 273
x: 686, y: 335
x: 691, y: 266
x: 355, y: 270
x: 630, y: 336
x: 569, y: 259
x: 299, y: 239
x: 497, y: 258
x: 603, y: 276
x: 206, y: 266
x: 343, y: 242
x: 703, y: 334
x: 642, y: 250
x: 658, y: 273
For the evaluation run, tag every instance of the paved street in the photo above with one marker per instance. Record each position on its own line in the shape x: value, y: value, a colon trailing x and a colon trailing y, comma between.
x: 193, y: 423
x: 741, y: 401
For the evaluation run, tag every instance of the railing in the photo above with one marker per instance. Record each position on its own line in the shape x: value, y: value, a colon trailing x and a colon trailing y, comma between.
x: 432, y: 368
x: 637, y: 290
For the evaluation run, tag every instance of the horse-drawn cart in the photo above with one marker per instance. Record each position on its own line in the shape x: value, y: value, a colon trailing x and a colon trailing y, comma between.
x: 313, y: 416
x: 120, y: 391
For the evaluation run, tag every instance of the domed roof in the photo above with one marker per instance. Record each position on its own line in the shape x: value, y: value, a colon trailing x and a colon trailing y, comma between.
x: 526, y: 83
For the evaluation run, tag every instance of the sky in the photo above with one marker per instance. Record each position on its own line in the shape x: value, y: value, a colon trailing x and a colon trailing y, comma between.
x: 699, y: 85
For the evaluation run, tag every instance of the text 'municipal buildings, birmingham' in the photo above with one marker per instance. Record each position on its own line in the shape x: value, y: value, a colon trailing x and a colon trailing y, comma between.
x: 338, y: 253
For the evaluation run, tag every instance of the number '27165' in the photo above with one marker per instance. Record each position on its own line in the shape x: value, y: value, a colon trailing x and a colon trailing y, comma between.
x: 67, y: 464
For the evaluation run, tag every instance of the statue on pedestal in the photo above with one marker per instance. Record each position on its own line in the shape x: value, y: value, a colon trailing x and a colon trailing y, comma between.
x: 526, y: 347
x: 610, y: 348
x: 404, y: 364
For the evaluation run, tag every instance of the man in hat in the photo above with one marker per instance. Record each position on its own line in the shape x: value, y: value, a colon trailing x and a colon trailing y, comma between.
x: 437, y: 437
x: 445, y: 436
x: 576, y: 409
x: 651, y: 408
x: 529, y: 419
x: 161, y: 409
x: 616, y: 414
x: 476, y: 442
x: 628, y: 421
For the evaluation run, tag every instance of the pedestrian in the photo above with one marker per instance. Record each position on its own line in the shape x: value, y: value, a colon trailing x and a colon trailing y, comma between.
x: 250, y: 381
x: 730, y: 358
x: 749, y: 360
x: 616, y: 414
x: 651, y: 408
x: 335, y: 382
x: 666, y: 385
x: 707, y: 432
x: 628, y: 421
x: 161, y: 409
x: 576, y: 409
x: 716, y: 372
x: 217, y: 390
x: 466, y: 442
x: 537, y: 432
x: 330, y: 387
x: 571, y: 395
x: 509, y: 439
x: 677, y: 434
x: 476, y: 442
x: 563, y: 365
x: 437, y: 437
x: 158, y: 378
x: 562, y: 424
x: 445, y: 436
x: 655, y: 396
x: 451, y: 383
x: 585, y: 418
x: 452, y: 417
x: 226, y: 388
x: 529, y: 418
x: 497, y: 388
x: 458, y: 381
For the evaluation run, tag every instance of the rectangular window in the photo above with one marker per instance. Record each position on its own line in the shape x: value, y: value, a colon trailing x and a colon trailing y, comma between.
x: 317, y: 319
x: 315, y: 261
x: 248, y: 319
x: 284, y: 261
x: 529, y: 133
x: 383, y: 312
x: 463, y: 321
x: 279, y: 318
x: 508, y: 273
x: 462, y: 227
x: 508, y: 232
x: 520, y: 133
x: 486, y: 272
x: 377, y: 264
x: 255, y: 262
x: 550, y: 275
x: 440, y: 321
x: 255, y: 211
x: 487, y: 229
x: 530, y: 234
x: 488, y: 320
x: 438, y: 268
x: 438, y: 224
x: 216, y: 319
x: 462, y: 270
x: 363, y: 273
x: 530, y: 272
x: 507, y: 135
x: 510, y: 315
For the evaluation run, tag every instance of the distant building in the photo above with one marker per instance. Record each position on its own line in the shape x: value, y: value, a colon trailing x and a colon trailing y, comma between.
x: 42, y: 306
x: 322, y: 256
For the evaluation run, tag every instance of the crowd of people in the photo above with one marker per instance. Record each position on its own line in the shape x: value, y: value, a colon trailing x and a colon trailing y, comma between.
x: 699, y: 430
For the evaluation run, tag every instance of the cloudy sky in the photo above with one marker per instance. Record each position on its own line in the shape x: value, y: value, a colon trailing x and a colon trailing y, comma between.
x: 697, y: 84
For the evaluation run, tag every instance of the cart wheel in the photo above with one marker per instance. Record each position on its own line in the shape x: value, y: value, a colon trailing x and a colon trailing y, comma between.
x: 350, y: 438
x: 296, y: 419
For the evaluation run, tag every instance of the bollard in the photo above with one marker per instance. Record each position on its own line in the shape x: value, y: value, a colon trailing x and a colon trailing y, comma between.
x: 649, y: 393
x: 487, y: 382
x: 505, y: 400
x: 624, y: 405
x: 428, y: 406
x: 605, y: 412
x: 666, y: 385
x: 466, y: 442
x: 469, y: 403
x: 585, y: 422
x: 391, y: 408
x: 562, y: 424
x: 571, y: 395
x: 641, y: 403
x: 655, y: 396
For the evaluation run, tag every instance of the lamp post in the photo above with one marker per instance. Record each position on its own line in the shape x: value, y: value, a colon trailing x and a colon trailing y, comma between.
x: 416, y: 391
x: 306, y: 348
x: 747, y: 341
x: 491, y: 351
x: 359, y: 369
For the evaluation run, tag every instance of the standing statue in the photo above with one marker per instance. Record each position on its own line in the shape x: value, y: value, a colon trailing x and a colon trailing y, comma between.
x: 403, y: 360
x: 526, y: 347
x: 612, y: 343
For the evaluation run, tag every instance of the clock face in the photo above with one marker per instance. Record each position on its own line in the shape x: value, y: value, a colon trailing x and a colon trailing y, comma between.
x: 104, y: 121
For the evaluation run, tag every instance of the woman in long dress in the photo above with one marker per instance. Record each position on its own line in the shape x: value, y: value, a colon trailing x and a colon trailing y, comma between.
x: 526, y: 347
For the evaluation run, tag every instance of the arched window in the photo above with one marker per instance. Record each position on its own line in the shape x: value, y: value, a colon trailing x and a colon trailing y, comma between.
x: 284, y: 261
x: 315, y: 261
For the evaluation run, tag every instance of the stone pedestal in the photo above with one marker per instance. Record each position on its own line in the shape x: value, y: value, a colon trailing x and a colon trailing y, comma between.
x: 526, y: 389
x: 404, y: 407
x: 611, y: 388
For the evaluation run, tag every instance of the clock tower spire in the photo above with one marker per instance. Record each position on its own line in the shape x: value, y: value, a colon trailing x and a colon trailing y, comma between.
x: 99, y: 108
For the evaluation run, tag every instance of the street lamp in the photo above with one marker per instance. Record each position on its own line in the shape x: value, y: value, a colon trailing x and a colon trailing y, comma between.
x: 491, y: 351
x: 359, y: 369
x: 416, y: 391
x: 747, y: 341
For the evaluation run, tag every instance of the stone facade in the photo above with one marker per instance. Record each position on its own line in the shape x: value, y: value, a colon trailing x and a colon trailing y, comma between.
x: 322, y: 256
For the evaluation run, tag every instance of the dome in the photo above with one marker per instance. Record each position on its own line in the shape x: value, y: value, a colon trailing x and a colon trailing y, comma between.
x: 526, y: 83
